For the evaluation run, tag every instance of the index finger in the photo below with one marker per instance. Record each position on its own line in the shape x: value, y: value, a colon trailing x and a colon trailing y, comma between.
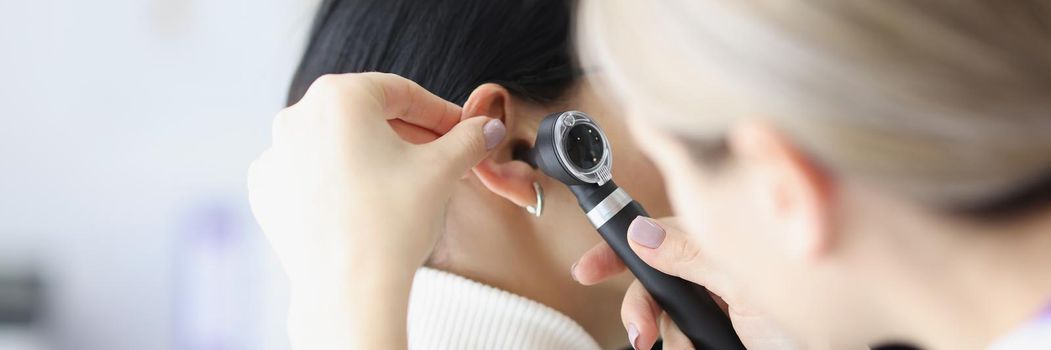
x: 401, y: 98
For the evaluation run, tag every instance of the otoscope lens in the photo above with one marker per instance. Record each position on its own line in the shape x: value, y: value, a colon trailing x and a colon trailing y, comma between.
x: 584, y: 146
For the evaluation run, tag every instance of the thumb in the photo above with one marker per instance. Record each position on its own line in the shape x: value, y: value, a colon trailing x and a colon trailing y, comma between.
x: 467, y: 143
x: 667, y: 249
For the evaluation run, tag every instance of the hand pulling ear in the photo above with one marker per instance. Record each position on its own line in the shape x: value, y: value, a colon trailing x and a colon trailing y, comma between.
x: 500, y: 172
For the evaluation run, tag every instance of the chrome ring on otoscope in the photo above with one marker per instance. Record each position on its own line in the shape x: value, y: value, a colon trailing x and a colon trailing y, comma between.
x: 608, y: 207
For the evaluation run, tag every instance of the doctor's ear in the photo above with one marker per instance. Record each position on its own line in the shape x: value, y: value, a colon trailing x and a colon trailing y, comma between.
x: 500, y: 172
x: 793, y: 190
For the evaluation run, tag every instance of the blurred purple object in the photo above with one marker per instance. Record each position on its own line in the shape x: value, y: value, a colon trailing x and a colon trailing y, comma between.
x: 214, y: 274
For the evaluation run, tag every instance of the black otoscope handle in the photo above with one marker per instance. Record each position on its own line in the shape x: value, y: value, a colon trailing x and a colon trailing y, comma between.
x: 688, y: 304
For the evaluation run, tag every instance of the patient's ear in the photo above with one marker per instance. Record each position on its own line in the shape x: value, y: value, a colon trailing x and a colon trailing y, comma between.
x: 500, y: 172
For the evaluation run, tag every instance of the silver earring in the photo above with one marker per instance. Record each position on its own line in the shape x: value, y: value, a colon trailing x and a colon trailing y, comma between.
x: 539, y: 208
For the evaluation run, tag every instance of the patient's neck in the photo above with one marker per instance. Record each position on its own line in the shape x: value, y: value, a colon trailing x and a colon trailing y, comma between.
x: 499, y: 244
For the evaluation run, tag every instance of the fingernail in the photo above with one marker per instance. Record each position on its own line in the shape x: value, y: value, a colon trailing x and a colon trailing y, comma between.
x: 494, y: 131
x: 573, y: 272
x: 633, y: 335
x: 646, y: 232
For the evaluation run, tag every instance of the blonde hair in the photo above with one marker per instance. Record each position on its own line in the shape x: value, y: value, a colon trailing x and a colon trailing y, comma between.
x: 945, y: 101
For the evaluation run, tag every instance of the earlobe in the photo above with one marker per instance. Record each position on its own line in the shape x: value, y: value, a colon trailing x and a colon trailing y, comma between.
x: 797, y: 192
x: 500, y: 172
x: 512, y: 180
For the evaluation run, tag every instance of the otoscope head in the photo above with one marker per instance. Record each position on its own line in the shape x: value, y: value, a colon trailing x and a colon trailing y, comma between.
x: 572, y: 148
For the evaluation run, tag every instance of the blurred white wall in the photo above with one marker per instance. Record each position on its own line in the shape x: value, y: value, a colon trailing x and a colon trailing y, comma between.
x: 119, y: 118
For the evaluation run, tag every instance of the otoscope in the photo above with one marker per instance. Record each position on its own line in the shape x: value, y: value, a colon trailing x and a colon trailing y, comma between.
x: 570, y: 147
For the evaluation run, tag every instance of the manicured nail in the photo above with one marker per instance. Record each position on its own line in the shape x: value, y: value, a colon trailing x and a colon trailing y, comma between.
x: 494, y: 131
x: 633, y: 335
x: 573, y: 272
x: 646, y: 232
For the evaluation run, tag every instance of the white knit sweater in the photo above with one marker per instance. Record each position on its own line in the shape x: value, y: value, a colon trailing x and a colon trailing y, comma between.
x: 447, y: 311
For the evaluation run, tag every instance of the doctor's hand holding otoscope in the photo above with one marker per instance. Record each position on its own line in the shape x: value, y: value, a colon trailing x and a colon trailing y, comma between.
x: 664, y: 246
